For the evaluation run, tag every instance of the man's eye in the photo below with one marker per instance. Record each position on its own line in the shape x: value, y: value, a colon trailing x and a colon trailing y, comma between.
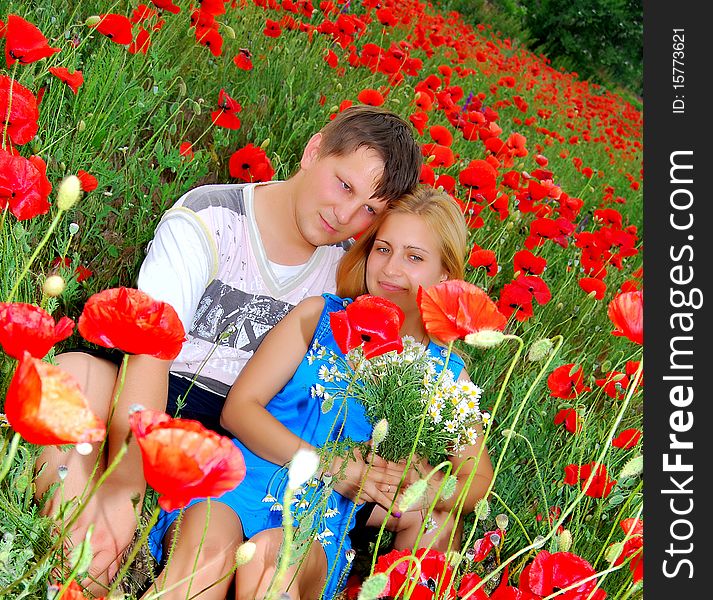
x: 370, y: 209
x: 345, y: 186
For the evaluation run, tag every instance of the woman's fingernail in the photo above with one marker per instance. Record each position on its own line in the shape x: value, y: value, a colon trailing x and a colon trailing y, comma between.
x: 397, y: 515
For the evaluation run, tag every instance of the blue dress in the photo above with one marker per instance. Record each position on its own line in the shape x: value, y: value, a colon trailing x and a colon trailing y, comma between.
x: 300, y: 406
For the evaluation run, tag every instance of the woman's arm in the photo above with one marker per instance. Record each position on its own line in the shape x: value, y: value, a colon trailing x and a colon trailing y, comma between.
x: 264, y: 375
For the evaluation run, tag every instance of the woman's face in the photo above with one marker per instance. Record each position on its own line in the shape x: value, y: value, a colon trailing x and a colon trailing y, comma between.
x: 406, y: 254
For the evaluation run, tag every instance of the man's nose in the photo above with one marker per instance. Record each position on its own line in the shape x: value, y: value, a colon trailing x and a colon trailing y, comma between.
x: 345, y: 210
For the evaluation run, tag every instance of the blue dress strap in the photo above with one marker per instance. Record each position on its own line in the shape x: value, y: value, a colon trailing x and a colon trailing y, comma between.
x: 332, y: 303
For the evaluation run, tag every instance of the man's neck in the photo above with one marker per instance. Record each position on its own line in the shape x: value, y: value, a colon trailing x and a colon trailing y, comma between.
x: 275, y: 216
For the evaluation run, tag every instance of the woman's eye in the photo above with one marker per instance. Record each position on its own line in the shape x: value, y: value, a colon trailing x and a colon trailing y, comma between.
x: 416, y: 258
x: 345, y: 186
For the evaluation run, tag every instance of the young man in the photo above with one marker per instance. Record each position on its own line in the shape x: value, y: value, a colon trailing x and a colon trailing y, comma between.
x: 232, y: 260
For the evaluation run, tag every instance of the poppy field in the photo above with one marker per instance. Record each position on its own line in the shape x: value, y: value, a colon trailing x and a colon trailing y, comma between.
x: 110, y: 111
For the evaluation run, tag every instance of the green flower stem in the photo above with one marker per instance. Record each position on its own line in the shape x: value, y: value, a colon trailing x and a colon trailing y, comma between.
x: 9, y: 106
x: 627, y: 536
x: 569, y: 509
x: 200, y: 547
x: 615, y: 521
x: 73, y: 519
x: 10, y: 456
x: 351, y: 514
x: 286, y: 552
x: 134, y: 551
x: 513, y: 515
x: 35, y: 254
x: 537, y: 470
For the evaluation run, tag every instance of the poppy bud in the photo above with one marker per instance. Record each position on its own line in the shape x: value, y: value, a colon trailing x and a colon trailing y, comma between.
x: 482, y: 509
x: 484, y: 339
x: 539, y: 541
x: 92, y: 21
x: 265, y: 144
x: 633, y: 468
x: 69, y: 191
x: 73, y: 228
x: 564, y: 540
x: 413, y: 494
x: 81, y: 126
x: 502, y: 521
x: 244, y: 554
x: 62, y: 472
x: 381, y: 430
x: 539, y: 350
x: 449, y: 487
x: 373, y: 587
x: 229, y: 31
x: 53, y: 286
x: 430, y: 159
x: 84, y: 448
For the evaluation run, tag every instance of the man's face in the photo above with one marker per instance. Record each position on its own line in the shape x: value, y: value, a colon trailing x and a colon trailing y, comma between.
x: 335, y: 196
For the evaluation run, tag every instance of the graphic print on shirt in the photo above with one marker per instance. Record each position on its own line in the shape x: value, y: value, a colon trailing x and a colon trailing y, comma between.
x: 240, y: 320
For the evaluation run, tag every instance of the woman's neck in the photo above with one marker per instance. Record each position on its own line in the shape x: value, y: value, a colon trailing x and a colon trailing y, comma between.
x: 413, y: 326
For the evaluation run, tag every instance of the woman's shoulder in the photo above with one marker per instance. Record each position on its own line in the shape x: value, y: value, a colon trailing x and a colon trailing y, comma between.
x: 455, y: 362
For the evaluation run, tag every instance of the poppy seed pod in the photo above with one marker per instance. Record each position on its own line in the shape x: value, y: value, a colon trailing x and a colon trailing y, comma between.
x: 485, y: 338
x: 381, y: 430
x: 69, y: 191
x: 92, y: 21
x: 374, y: 586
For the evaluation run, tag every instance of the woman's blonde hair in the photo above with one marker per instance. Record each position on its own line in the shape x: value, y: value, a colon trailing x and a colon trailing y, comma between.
x: 442, y: 215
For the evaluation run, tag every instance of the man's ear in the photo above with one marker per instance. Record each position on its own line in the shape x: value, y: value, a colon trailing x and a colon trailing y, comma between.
x: 311, y: 151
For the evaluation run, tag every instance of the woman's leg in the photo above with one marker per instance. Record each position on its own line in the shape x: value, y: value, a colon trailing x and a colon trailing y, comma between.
x: 97, y: 378
x: 253, y: 579
x: 204, y: 553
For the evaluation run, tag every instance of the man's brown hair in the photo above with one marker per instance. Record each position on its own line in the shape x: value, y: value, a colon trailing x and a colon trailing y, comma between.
x: 384, y: 132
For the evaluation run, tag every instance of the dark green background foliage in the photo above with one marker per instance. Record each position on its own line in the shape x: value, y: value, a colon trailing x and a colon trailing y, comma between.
x: 601, y: 40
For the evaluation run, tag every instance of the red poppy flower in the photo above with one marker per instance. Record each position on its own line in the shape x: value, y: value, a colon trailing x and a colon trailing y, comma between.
x: 442, y: 155
x: 600, y: 485
x: 81, y: 272
x: 529, y: 264
x: 369, y: 320
x: 419, y: 120
x: 24, y: 42
x: 73, y: 80
x: 132, y: 321
x: 370, y: 97
x: 486, y: 259
x: 167, y: 5
x: 142, y: 13
x: 250, y: 163
x: 593, y: 285
x: 88, y: 182
x: 626, y: 312
x: 46, y: 406
x: 183, y: 460
x: 29, y: 328
x: 186, y: 150
x: 567, y: 382
x: 627, y: 439
x: 23, y: 185
x: 140, y: 44
x: 467, y: 583
x: 210, y: 37
x: 116, y: 27
x: 272, y: 28
x: 535, y: 286
x: 550, y: 572
x: 243, y: 59
x: 73, y: 591
x: 226, y: 116
x: 22, y: 120
x: 517, y: 300
x: 441, y: 135
x: 633, y: 546
x: 480, y: 177
x: 435, y: 573
x: 614, y: 384
x: 570, y: 418
x: 453, y: 309
x: 483, y: 546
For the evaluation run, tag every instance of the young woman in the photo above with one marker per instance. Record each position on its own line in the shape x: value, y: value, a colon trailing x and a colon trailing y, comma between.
x: 272, y: 411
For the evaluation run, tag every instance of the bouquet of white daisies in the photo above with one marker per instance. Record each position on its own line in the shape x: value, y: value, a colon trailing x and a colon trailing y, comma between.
x: 401, y: 387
